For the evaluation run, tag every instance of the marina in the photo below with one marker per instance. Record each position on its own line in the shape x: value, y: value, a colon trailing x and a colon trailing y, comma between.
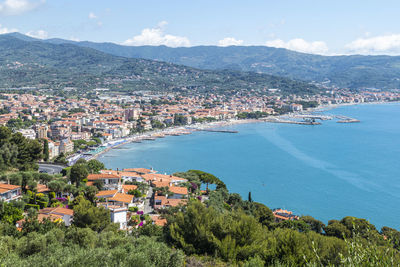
x: 310, y: 119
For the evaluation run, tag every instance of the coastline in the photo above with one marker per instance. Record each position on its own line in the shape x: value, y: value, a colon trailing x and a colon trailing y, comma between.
x: 181, y: 130
x: 324, y: 108
x: 176, y: 130
x: 165, y: 158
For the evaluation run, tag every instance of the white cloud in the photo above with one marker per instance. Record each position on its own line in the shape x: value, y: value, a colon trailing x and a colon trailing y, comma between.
x: 92, y: 16
x: 157, y: 36
x: 40, y: 34
x: 72, y: 38
x: 385, y: 44
x: 228, y: 41
x: 300, y: 45
x: 16, y: 7
x: 4, y: 30
x: 162, y: 24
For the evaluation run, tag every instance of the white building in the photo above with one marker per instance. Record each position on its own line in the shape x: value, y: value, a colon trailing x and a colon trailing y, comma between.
x: 28, y: 133
x: 66, y: 146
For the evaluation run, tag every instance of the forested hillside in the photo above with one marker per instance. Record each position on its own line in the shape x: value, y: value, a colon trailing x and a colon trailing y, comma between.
x: 34, y: 63
x: 355, y: 71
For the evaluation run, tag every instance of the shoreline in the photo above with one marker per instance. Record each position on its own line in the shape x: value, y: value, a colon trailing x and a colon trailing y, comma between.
x: 176, y: 130
x: 188, y: 129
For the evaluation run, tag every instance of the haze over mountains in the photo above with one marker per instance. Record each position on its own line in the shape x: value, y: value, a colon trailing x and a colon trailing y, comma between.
x: 354, y: 71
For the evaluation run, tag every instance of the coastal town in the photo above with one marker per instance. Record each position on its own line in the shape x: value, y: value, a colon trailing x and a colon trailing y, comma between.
x: 77, y: 127
x: 75, y: 130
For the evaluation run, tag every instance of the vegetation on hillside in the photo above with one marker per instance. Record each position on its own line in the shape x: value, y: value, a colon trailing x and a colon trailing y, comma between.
x: 39, y: 64
x: 354, y: 71
x: 217, y: 228
x: 17, y: 152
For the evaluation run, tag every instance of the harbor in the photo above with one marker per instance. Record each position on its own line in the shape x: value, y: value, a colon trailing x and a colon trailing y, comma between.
x: 310, y: 119
x: 302, y: 118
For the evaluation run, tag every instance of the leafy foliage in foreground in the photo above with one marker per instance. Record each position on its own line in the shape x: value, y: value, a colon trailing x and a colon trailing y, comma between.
x: 223, y: 230
x: 84, y: 247
x: 236, y: 237
x: 17, y: 151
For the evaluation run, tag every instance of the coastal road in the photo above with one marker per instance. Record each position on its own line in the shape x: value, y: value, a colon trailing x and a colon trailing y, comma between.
x: 50, y: 168
x: 147, y: 203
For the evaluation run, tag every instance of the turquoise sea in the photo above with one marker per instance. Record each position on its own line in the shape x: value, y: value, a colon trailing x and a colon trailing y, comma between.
x: 327, y: 171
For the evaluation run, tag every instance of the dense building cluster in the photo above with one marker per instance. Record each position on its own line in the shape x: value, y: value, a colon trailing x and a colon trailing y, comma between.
x: 75, y: 123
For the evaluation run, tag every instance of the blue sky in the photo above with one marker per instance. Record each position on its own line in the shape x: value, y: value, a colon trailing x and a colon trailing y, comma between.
x: 314, y: 26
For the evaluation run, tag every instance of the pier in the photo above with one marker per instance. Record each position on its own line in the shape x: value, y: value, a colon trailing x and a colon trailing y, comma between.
x: 305, y: 122
x: 149, y: 138
x: 344, y: 119
x: 313, y: 117
x: 217, y: 131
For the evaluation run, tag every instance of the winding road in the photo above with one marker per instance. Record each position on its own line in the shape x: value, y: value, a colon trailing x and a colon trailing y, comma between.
x: 50, y: 168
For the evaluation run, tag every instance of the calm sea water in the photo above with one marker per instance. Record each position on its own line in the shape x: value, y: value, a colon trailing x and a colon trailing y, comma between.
x: 328, y: 171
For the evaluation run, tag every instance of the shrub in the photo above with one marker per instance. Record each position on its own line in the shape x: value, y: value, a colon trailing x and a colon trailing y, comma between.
x: 133, y: 209
x: 28, y: 206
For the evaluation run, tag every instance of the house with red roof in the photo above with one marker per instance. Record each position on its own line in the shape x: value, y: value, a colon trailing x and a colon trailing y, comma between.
x: 111, y: 181
x: 58, y: 212
x: 9, y: 192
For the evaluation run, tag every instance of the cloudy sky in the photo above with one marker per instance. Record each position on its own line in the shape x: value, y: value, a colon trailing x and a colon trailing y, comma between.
x: 311, y: 26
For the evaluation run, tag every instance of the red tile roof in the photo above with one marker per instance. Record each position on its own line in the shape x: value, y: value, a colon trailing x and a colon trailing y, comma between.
x: 101, y: 176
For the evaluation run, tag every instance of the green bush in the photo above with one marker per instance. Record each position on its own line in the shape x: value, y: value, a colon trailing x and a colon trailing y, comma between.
x: 133, y: 209
x: 28, y: 206
x: 42, y: 204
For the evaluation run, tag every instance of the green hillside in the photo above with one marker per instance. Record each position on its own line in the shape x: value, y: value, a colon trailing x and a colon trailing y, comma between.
x: 354, y: 71
x: 45, y: 65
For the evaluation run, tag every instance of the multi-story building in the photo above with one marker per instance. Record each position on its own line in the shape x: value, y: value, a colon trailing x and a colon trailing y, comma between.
x: 66, y: 146
x: 130, y: 114
x: 41, y: 131
x: 54, y: 149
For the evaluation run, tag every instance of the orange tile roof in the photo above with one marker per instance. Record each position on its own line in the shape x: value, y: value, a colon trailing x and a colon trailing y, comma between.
x: 175, y: 202
x: 178, y: 190
x: 57, y: 210
x: 160, y: 184
x: 161, y: 177
x: 169, y: 201
x: 127, y: 187
x: 41, y: 188
x: 105, y: 193
x: 120, y: 197
x: 121, y: 173
x: 159, y: 221
x: 51, y: 217
x: 63, y: 211
x: 102, y: 176
x: 140, y: 170
x: 8, y: 187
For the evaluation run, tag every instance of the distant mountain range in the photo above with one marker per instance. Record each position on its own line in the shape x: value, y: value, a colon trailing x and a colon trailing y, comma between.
x: 354, y: 71
x: 55, y: 63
